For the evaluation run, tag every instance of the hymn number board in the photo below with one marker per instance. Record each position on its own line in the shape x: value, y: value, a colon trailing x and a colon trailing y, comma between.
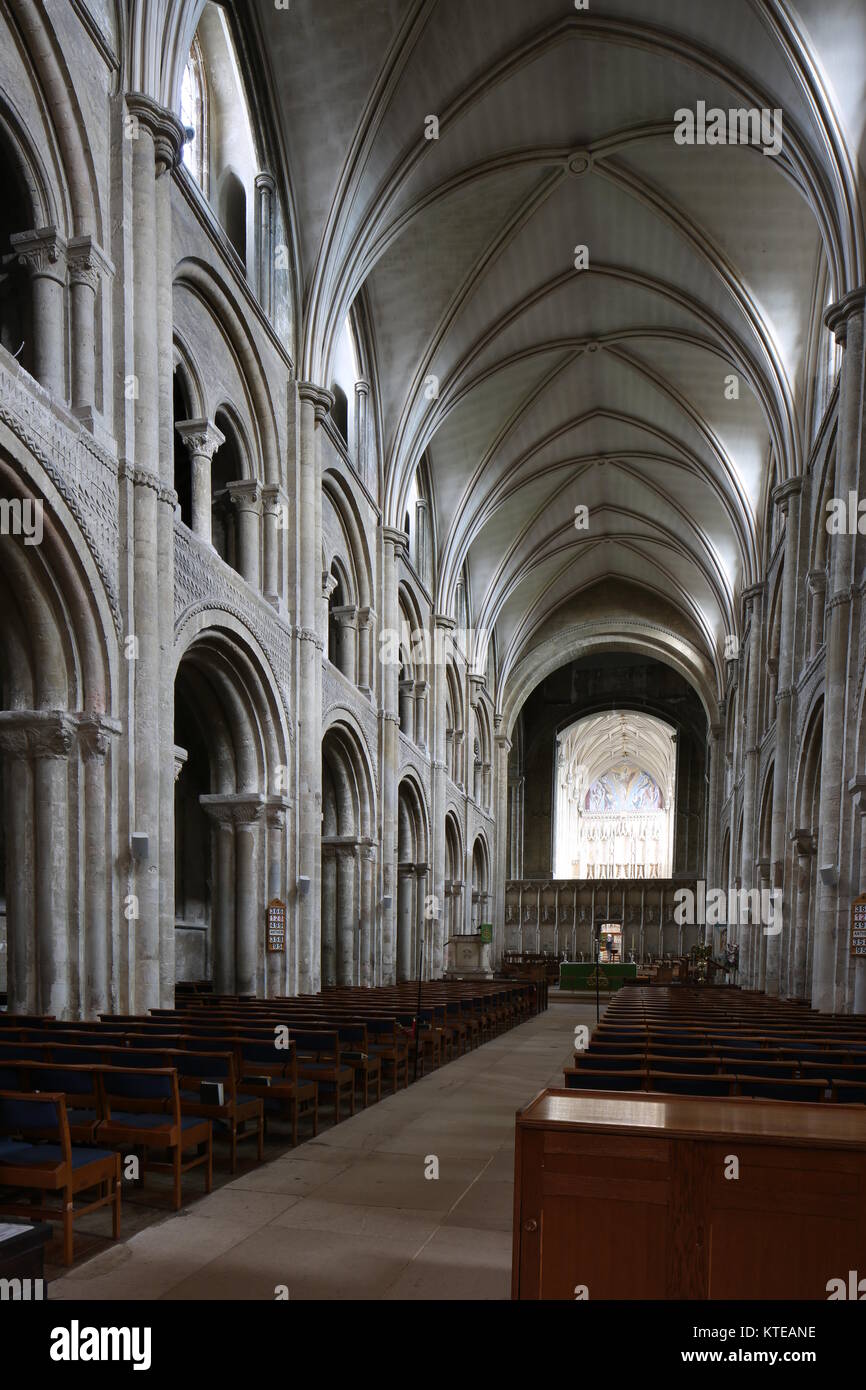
x: 858, y: 926
x: 276, y: 925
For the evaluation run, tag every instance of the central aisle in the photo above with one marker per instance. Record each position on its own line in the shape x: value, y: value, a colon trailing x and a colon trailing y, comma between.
x: 351, y: 1215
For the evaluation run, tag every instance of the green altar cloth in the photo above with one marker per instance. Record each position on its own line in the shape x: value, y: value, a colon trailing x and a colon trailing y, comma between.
x: 581, y: 975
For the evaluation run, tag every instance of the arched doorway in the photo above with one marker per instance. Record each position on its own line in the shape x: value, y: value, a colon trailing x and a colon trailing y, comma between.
x: 805, y: 897
x: 65, y: 948
x: 348, y: 951
x: 231, y: 755
x: 412, y: 870
x: 480, y: 883
x: 454, y: 922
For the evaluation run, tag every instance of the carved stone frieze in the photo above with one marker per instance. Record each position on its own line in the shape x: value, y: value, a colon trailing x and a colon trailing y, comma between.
x: 84, y: 474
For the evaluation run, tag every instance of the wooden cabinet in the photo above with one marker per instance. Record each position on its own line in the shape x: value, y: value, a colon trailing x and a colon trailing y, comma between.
x: 634, y: 1197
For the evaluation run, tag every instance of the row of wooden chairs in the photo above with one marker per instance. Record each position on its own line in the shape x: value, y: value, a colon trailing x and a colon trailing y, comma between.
x: 64, y: 1127
x: 722, y: 1043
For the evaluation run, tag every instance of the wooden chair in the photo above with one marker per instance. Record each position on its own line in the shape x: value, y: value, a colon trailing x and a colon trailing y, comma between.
x: 235, y: 1112
x: 272, y: 1075
x: 319, y: 1060
x: 389, y: 1042
x: 37, y: 1155
x: 142, y: 1111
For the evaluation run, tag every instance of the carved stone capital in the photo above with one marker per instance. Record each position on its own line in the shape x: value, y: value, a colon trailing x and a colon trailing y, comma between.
x: 817, y: 580
x: 86, y: 262
x: 95, y: 734
x: 42, y: 251
x: 836, y: 317
x: 36, y: 734
x: 276, y: 810
x: 319, y: 397
x: 163, y: 126
x: 791, y: 487
x: 396, y: 538
x: 273, y: 499
x: 242, y: 809
x: 246, y: 495
x: 840, y: 597
x: 201, y: 437
x: 805, y: 842
x: 346, y: 614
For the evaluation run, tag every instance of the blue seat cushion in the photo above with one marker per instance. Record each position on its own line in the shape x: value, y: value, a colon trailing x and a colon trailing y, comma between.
x: 139, y: 1120
x: 52, y: 1153
x: 10, y: 1148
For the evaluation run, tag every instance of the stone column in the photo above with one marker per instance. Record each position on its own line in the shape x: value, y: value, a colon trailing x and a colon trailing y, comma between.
x: 246, y: 496
x: 347, y: 912
x: 96, y: 993
x: 407, y: 708
x: 714, y: 799
x: 818, y: 598
x: 746, y: 933
x: 346, y: 618
x: 787, y: 498
x: 805, y: 844
x: 265, y: 241
x: 366, y: 619
x: 368, y: 913
x: 86, y: 263
x: 362, y: 395
x: 277, y: 971
x: 51, y: 738
x: 274, y: 510
x: 845, y: 320
x: 329, y: 916
x: 501, y: 848
x: 857, y: 986
x: 249, y: 932
x: 21, y: 975
x: 314, y: 404
x: 443, y: 627
x: 202, y: 439
x: 457, y: 744
x: 156, y: 137
x: 421, y: 558
x: 223, y: 944
x: 423, y: 924
x: 394, y: 546
x: 405, y: 894
x: 43, y: 252
x: 421, y: 714
x: 239, y: 925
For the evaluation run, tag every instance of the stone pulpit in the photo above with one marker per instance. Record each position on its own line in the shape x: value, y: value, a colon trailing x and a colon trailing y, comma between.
x: 467, y: 956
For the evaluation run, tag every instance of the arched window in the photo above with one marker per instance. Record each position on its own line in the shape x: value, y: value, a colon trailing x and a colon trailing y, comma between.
x: 233, y: 212
x: 340, y: 412
x: 193, y: 116
x: 227, y: 467
x: 15, y: 313
x: 336, y: 599
x: 182, y: 474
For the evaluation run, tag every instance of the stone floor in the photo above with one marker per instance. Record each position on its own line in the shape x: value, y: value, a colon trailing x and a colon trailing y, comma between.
x: 353, y: 1214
